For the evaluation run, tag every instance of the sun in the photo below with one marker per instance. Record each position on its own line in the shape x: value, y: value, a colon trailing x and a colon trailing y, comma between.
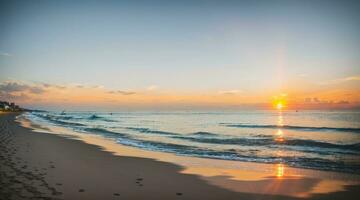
x: 279, y: 102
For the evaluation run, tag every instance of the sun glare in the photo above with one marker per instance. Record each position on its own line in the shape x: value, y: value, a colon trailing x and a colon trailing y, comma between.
x: 279, y: 102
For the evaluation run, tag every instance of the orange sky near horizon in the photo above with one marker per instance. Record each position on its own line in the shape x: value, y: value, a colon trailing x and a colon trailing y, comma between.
x: 40, y: 95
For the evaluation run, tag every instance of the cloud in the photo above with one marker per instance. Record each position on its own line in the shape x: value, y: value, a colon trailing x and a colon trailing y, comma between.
x: 16, y: 91
x: 343, y: 102
x: 352, y: 78
x: 5, y: 54
x: 152, y: 87
x: 13, y: 97
x: 341, y: 80
x: 60, y: 87
x: 80, y: 86
x: 11, y: 86
x: 122, y: 92
x: 36, y: 90
x: 230, y: 92
x: 316, y: 100
x: 97, y: 86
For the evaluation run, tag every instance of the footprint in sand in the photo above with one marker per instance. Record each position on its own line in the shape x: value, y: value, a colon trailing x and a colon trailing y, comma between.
x: 139, y: 182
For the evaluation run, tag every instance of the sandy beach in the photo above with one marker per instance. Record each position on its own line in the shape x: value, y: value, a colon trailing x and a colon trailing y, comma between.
x: 47, y: 166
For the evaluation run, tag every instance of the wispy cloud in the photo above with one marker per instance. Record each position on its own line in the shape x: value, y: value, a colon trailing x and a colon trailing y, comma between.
x: 303, y: 75
x: 152, y: 87
x: 229, y: 92
x: 13, y: 97
x: 341, y: 80
x: 97, y: 86
x: 12, y: 86
x: 122, y: 92
x: 317, y: 100
x: 4, y: 54
x: 47, y: 85
x: 18, y: 91
x: 352, y: 78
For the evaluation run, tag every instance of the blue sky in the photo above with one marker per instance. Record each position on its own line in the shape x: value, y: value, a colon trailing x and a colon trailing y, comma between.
x: 185, y: 46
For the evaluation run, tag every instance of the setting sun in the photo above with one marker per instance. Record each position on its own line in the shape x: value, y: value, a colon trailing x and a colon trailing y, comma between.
x: 279, y: 101
x: 279, y: 104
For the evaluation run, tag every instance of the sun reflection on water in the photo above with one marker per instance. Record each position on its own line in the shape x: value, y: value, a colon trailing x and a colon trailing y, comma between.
x: 279, y: 136
x: 280, y: 121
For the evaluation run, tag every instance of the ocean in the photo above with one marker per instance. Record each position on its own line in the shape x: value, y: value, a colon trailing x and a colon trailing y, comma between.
x: 323, y: 140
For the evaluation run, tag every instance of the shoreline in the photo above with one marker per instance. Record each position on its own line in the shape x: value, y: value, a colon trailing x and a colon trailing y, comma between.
x: 76, y: 169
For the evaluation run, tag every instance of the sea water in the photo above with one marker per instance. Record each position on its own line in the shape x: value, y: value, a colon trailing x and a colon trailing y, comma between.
x: 324, y: 140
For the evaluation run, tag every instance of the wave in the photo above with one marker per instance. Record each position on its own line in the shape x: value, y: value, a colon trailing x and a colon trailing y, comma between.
x: 303, y: 128
x: 75, y: 117
x: 150, y: 145
x: 303, y: 162
x: 150, y: 131
x: 231, y: 154
x: 64, y: 117
x: 67, y: 123
x: 157, y: 146
x: 270, y: 141
x: 203, y: 133
x: 185, y: 150
x: 57, y: 120
x: 147, y: 130
x: 94, y: 117
x: 106, y: 133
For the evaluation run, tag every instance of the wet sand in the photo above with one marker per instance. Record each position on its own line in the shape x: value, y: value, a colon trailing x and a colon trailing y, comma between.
x: 37, y: 165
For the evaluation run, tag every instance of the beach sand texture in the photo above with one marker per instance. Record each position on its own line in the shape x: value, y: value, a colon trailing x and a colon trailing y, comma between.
x: 46, y: 166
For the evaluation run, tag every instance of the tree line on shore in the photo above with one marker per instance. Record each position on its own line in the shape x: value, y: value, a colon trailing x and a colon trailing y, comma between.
x: 10, y: 107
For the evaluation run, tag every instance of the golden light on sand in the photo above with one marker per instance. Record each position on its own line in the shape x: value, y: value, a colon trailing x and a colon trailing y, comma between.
x: 280, y: 170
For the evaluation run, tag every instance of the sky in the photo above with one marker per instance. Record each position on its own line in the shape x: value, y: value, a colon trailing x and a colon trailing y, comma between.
x: 180, y: 54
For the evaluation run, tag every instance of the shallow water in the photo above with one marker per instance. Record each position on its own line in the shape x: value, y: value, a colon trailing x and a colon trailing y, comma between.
x: 316, y: 140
